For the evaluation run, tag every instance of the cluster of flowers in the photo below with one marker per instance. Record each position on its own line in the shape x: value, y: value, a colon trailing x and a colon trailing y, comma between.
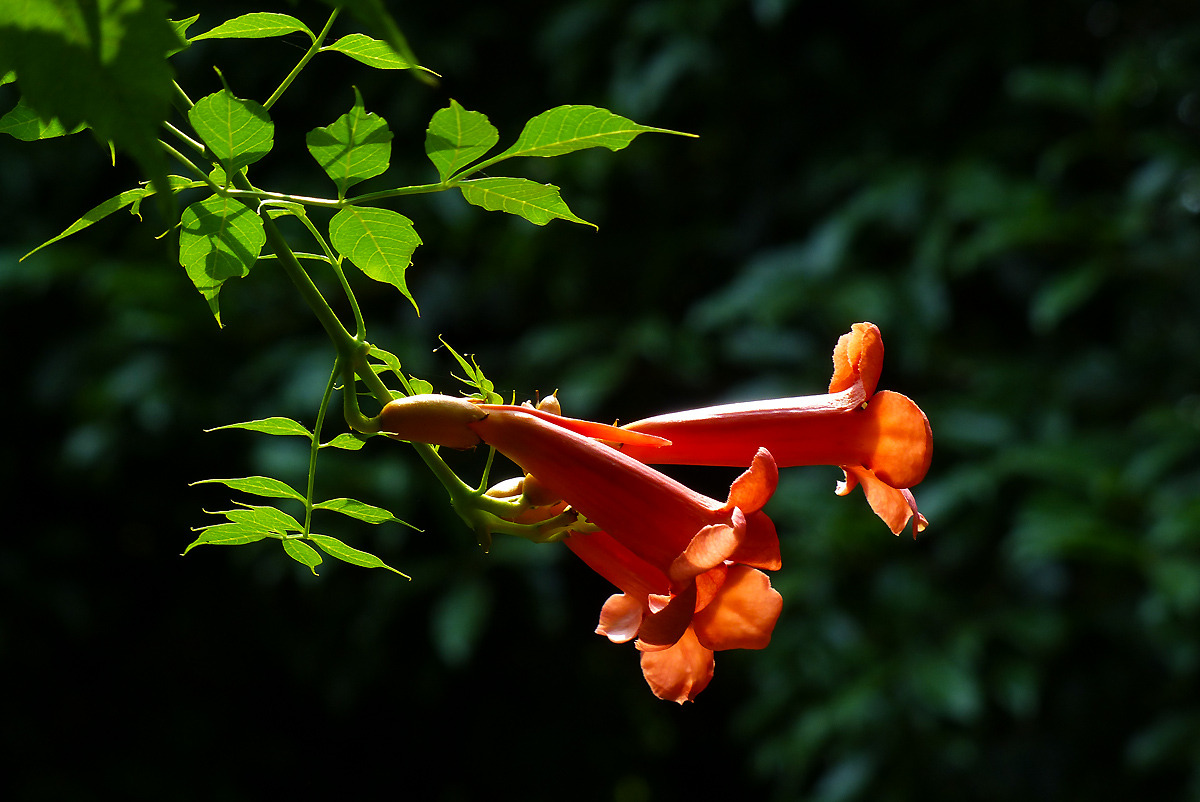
x: 689, y: 567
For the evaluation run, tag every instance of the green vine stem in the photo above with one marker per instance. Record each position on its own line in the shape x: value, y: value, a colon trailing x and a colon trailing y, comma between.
x: 316, y: 446
x: 313, y: 49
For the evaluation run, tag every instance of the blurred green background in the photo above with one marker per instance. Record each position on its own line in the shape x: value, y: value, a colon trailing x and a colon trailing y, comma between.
x: 1010, y: 190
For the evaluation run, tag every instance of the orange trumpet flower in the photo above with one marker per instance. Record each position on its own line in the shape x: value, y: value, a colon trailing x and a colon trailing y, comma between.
x: 685, y: 563
x: 882, y: 441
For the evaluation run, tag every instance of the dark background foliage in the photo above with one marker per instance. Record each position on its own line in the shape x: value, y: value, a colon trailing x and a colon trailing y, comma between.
x: 1009, y: 190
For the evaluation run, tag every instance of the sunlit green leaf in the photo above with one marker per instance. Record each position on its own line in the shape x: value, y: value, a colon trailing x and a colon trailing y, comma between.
x: 219, y: 239
x: 456, y: 137
x: 238, y: 132
x: 379, y: 242
x: 357, y: 509
x: 131, y: 197
x: 23, y: 123
x: 336, y: 548
x: 230, y: 534
x: 269, y: 519
x: 258, y: 486
x: 348, y: 441
x: 357, y: 146
x: 369, y: 51
x: 537, y: 203
x: 256, y: 25
x: 302, y: 553
x: 181, y: 28
x: 374, y: 16
x: 278, y: 426
x: 569, y: 128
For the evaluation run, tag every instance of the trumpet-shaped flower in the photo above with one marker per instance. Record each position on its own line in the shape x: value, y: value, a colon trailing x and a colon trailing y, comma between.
x: 880, y: 440
x: 686, y: 563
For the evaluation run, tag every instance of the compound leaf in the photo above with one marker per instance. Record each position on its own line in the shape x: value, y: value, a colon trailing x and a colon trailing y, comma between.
x: 537, y: 203
x: 379, y: 242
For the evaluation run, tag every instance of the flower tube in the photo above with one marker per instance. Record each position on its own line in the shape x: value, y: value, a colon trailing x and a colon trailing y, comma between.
x: 882, y: 440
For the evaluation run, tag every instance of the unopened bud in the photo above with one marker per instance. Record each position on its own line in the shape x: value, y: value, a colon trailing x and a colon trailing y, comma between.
x: 439, y: 420
x: 550, y: 404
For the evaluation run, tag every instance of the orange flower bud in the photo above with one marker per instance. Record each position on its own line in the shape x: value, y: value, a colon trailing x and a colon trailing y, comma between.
x: 550, y: 404
x: 439, y: 420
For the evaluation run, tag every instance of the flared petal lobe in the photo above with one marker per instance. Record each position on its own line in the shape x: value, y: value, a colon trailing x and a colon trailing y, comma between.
x: 679, y: 673
x: 742, y: 614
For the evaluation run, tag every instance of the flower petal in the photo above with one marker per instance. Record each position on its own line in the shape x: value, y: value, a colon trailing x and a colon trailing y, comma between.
x: 895, y: 507
x: 660, y: 630
x: 620, y: 618
x: 742, y: 614
x: 679, y: 673
x: 753, y: 489
x: 711, y: 546
x: 858, y: 358
x: 759, y: 547
x: 902, y: 442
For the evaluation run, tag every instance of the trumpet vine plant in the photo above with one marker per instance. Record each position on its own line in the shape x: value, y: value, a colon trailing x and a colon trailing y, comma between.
x: 690, y: 569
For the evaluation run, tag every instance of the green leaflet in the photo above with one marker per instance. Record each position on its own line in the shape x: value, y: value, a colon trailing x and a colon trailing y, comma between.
x: 348, y: 441
x: 277, y: 426
x: 229, y: 534
x: 130, y: 197
x: 258, y: 486
x: 569, y: 128
x: 371, y: 52
x: 219, y: 239
x: 257, y: 25
x: 537, y: 203
x: 336, y: 548
x: 456, y: 137
x: 357, y: 509
x: 271, y: 520
x: 378, y: 241
x: 238, y: 132
x: 22, y: 122
x: 373, y: 15
x: 302, y: 553
x: 357, y: 146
